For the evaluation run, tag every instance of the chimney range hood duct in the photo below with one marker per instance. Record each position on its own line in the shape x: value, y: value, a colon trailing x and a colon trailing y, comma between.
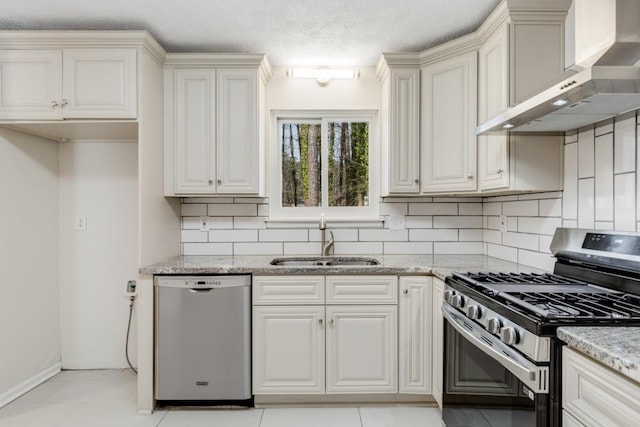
x: 607, y: 82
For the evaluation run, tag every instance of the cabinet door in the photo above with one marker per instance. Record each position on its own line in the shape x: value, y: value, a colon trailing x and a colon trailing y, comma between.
x: 414, y: 342
x: 361, y: 349
x: 438, y: 337
x: 493, y: 161
x: 404, y: 137
x: 288, y: 350
x: 99, y: 83
x: 237, y: 141
x: 448, y: 120
x: 30, y: 84
x: 194, y: 131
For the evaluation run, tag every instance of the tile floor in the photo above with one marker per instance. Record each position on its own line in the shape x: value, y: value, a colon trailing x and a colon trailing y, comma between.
x: 106, y: 398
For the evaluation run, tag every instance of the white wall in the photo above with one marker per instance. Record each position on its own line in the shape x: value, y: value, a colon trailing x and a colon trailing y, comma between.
x: 601, y: 191
x: 98, y: 179
x: 29, y: 304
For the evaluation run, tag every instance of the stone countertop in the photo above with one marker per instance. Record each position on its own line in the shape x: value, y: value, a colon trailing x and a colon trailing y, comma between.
x: 615, y: 347
x: 437, y: 265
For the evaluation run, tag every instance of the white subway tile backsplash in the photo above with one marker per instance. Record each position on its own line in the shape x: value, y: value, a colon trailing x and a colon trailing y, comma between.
x: 368, y: 235
x: 586, y: 203
x: 339, y: 235
x: 193, y: 236
x: 258, y: 248
x: 457, y: 222
x: 232, y: 209
x: 571, y: 136
x: 512, y: 223
x: 474, y: 235
x: 232, y: 236
x: 358, y: 248
x: 539, y: 225
x: 193, y: 209
x: 551, y: 207
x: 302, y: 248
x: 394, y: 209
x: 570, y: 223
x: 249, y: 222
x: 193, y: 222
x: 433, y: 209
x: 493, y: 222
x: 536, y: 259
x: 604, y: 178
x: 502, y: 252
x: 570, y: 195
x: 625, y: 204
x: 625, y: 143
x: 418, y: 221
x: 457, y: 199
x: 283, y: 235
x: 492, y: 208
x: 462, y: 248
x: 207, y: 249
x: 255, y: 200
x: 541, y: 196
x: 408, y: 248
x: 520, y: 208
x: 432, y: 235
x: 604, y: 127
x: 207, y: 200
x: 521, y: 240
x: 470, y: 209
x: 492, y: 236
x: 586, y: 163
x: 545, y: 244
x: 604, y: 225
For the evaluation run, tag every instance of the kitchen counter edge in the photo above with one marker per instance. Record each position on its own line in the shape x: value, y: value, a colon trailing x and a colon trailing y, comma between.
x: 615, y: 347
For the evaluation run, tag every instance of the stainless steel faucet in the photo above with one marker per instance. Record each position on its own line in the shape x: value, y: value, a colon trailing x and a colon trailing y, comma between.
x: 326, y: 245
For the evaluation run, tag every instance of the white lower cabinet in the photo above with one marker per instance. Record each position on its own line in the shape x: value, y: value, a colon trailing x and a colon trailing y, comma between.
x: 288, y: 348
x: 361, y: 349
x: 595, y: 395
x: 357, y: 332
x: 414, y: 340
x: 438, y: 340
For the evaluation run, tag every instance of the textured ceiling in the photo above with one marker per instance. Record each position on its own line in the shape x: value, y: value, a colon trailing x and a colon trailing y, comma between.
x: 290, y: 32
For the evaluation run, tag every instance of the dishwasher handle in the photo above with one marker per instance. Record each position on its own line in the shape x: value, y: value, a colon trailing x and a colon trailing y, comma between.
x: 200, y: 290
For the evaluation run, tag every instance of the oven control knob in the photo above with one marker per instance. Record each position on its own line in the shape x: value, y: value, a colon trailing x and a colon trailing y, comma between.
x: 508, y: 335
x: 493, y: 325
x: 448, y: 295
x: 457, y: 301
x: 473, y: 312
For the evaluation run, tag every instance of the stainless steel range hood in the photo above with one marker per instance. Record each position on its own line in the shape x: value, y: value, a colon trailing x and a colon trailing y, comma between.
x: 607, y: 82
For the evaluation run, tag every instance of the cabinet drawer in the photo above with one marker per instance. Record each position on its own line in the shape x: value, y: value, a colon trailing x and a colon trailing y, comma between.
x: 362, y: 289
x: 596, y: 395
x: 281, y: 290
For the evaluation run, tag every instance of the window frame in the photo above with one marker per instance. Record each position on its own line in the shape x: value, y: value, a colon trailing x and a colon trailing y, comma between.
x: 338, y: 213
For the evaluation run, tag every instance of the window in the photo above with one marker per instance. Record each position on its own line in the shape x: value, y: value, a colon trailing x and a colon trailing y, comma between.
x: 324, y: 165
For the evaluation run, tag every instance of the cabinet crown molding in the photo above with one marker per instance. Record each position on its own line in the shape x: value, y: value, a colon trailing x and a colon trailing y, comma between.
x: 220, y: 60
x: 83, y: 39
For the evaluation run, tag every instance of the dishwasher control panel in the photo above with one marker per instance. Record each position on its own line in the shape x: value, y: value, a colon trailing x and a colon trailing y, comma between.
x: 202, y: 282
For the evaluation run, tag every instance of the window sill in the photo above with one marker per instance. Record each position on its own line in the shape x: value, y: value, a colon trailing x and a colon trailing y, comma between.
x: 331, y: 223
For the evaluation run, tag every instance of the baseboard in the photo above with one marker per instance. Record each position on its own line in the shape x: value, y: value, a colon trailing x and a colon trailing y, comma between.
x: 17, y: 391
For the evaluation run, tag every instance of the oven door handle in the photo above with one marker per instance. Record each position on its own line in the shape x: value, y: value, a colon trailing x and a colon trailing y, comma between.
x: 533, y: 376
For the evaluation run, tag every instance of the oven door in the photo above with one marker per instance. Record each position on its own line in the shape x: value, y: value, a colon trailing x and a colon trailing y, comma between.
x: 487, y: 383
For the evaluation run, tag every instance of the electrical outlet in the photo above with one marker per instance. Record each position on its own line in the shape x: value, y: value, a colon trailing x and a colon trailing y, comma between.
x: 204, y: 223
x: 396, y: 222
x: 81, y: 222
x: 130, y: 289
x: 503, y: 223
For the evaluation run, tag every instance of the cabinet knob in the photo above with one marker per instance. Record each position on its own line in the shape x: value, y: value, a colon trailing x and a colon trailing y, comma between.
x: 406, y: 292
x: 219, y: 182
x: 320, y: 321
x: 470, y: 176
x: 64, y: 102
x: 210, y: 181
x: 331, y: 321
x: 416, y: 180
x: 499, y: 171
x: 54, y: 104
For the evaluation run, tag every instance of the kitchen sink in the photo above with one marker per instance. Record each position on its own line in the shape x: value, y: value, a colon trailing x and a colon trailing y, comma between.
x: 318, y: 261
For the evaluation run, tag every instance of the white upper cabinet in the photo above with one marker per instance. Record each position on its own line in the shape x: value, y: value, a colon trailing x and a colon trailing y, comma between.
x: 237, y: 135
x: 68, y: 84
x: 448, y: 121
x: 214, y: 126
x: 99, y: 83
x: 400, y: 129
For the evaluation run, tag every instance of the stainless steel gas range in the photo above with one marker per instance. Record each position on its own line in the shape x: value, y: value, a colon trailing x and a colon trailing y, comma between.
x: 503, y: 361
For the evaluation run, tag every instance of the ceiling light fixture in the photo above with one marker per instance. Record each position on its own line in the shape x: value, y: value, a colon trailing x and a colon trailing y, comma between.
x: 507, y: 126
x: 560, y: 102
x: 322, y: 75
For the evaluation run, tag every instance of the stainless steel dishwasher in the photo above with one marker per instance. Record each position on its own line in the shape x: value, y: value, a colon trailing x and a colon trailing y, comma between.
x: 203, y: 339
